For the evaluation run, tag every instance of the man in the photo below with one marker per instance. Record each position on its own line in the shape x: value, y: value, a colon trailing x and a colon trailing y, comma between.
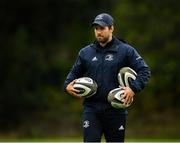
x: 101, y: 61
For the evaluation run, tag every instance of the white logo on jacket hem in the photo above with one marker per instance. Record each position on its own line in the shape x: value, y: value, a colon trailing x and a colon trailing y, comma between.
x: 94, y: 59
x: 121, y: 128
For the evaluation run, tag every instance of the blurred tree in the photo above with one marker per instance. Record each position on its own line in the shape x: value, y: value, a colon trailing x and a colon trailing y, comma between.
x: 152, y: 28
x: 37, y: 40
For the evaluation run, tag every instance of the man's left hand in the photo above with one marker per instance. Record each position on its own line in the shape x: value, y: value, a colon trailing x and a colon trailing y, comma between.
x: 128, y: 95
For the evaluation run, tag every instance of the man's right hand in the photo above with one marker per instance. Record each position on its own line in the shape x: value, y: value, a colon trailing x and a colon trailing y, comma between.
x: 70, y: 89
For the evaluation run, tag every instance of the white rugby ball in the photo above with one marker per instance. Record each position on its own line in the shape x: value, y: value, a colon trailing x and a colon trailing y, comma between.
x: 116, y: 98
x: 125, y: 75
x: 86, y: 86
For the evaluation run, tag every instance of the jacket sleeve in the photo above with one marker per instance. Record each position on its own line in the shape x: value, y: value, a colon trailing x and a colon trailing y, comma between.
x: 75, y: 72
x: 137, y: 63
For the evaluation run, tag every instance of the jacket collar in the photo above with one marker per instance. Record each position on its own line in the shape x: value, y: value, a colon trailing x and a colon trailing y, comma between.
x: 111, y: 46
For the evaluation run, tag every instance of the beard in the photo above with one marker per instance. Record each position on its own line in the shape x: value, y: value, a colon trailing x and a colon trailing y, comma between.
x: 102, y: 39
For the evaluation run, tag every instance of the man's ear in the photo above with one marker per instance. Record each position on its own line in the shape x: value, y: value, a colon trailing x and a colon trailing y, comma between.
x: 111, y: 28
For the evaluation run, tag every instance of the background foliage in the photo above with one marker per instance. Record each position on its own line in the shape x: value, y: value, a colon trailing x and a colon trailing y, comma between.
x: 39, y: 41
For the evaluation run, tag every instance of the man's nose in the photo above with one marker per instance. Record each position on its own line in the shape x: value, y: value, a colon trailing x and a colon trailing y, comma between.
x: 98, y: 31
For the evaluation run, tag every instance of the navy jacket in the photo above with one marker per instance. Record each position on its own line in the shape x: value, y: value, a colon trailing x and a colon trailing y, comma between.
x: 103, y: 65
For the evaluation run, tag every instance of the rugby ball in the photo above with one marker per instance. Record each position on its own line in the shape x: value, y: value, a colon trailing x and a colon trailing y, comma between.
x: 116, y: 98
x: 125, y: 75
x: 86, y: 86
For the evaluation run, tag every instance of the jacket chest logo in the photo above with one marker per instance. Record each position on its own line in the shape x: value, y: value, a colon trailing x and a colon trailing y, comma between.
x: 109, y: 57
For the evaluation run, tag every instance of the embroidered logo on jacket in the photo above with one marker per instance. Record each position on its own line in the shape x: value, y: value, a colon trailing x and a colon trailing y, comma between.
x: 109, y: 57
x: 86, y: 124
x: 121, y: 128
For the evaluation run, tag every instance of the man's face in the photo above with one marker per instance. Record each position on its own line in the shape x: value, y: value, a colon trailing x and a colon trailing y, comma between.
x: 103, y: 34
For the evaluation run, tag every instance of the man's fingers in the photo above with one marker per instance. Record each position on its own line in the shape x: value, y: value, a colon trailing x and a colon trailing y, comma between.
x: 128, y: 95
x: 72, y: 82
x: 128, y: 101
x: 75, y: 94
x: 75, y: 90
x: 70, y: 89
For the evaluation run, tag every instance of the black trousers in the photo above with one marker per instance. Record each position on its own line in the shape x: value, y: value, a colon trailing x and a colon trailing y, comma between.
x: 111, y: 123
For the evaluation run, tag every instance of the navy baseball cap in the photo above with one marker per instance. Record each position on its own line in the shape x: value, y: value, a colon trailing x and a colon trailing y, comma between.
x: 103, y: 20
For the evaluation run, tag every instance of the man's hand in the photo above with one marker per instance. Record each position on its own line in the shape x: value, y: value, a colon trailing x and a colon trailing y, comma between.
x: 128, y: 95
x: 70, y: 89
